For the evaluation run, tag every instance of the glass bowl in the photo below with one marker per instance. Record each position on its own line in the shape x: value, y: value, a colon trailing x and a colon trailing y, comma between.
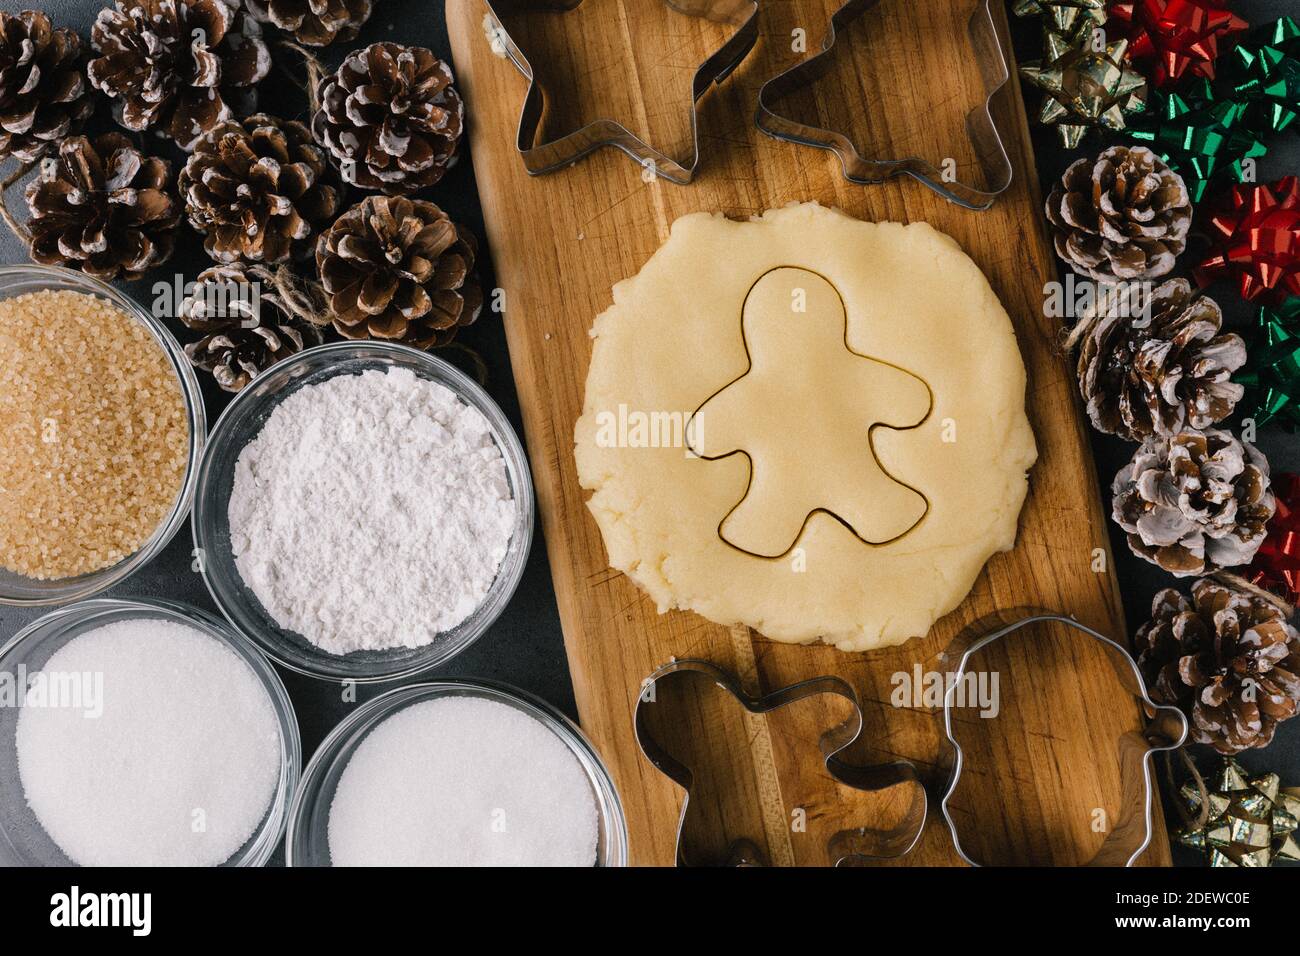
x: 21, y: 590
x: 23, y: 841
x: 243, y: 420
x: 307, y: 841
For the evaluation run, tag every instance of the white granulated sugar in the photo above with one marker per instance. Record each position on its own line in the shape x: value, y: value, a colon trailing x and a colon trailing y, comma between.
x: 461, y: 781
x: 372, y: 511
x: 178, y: 769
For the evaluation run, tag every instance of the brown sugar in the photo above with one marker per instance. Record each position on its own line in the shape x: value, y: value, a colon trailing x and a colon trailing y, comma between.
x: 94, y: 435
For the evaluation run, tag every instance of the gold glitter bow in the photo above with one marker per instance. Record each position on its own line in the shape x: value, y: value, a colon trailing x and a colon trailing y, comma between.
x: 1086, y: 83
x: 1239, y: 820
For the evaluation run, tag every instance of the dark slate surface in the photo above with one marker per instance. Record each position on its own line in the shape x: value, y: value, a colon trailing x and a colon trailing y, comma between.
x: 525, y: 647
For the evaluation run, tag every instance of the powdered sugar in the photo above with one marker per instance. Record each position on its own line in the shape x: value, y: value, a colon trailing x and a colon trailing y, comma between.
x: 372, y: 511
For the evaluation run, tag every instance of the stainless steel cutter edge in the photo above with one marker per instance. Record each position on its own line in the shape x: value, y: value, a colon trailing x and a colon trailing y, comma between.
x: 540, y: 158
x: 1155, y: 714
x: 991, y: 54
x: 847, y: 845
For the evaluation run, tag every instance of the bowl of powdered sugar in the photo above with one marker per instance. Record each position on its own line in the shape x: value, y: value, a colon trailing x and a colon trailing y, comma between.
x: 364, y: 511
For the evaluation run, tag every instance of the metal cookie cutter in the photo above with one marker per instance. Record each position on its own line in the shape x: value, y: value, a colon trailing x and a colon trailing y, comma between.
x: 845, y: 847
x: 551, y: 155
x: 1165, y: 729
x: 991, y: 55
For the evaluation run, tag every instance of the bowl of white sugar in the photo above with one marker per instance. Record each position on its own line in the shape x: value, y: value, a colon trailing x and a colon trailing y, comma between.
x: 141, y: 733
x: 364, y: 511
x: 456, y: 773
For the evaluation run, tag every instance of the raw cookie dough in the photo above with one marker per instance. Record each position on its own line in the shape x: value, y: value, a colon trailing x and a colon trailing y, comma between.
x: 943, y: 495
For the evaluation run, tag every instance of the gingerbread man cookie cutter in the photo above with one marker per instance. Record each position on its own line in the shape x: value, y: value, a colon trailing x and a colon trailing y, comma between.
x: 871, y: 503
x: 1165, y: 728
x: 846, y: 846
x: 982, y: 129
x: 549, y: 155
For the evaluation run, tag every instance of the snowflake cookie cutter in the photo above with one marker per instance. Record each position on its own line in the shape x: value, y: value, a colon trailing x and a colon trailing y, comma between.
x: 990, y: 150
x: 550, y: 155
x: 845, y: 847
x: 1165, y: 729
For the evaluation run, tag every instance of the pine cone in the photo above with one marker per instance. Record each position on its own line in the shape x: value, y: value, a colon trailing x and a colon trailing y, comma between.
x: 1154, y: 362
x: 399, y: 269
x: 104, y: 208
x: 248, y: 325
x: 1194, y: 502
x: 43, y: 97
x: 314, y: 22
x: 1228, y: 658
x: 259, y: 190
x: 391, y: 118
x: 1124, y: 215
x: 174, y: 64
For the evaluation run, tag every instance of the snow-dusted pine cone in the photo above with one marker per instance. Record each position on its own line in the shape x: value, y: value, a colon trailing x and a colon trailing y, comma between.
x: 1227, y: 658
x: 104, y: 208
x: 391, y: 118
x: 1156, y: 361
x: 43, y: 95
x: 259, y: 190
x: 314, y: 22
x: 1194, y: 502
x: 174, y: 65
x: 245, y: 322
x: 1123, y: 215
x: 399, y: 269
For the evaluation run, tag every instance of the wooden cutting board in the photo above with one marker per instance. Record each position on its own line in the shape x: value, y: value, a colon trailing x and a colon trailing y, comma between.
x: 1043, y: 773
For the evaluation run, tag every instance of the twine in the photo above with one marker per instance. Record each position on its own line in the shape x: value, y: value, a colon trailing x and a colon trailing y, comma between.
x: 315, y: 72
x: 300, y: 297
x: 1237, y: 581
x: 19, y: 229
x: 1202, y: 817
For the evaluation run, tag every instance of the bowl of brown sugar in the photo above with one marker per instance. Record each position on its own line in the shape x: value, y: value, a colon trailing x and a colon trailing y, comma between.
x: 101, y: 431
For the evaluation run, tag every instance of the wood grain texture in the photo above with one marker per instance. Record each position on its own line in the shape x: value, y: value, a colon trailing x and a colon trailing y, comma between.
x: 1042, y: 769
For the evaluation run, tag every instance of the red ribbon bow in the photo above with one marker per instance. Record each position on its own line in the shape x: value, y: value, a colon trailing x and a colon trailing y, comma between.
x: 1277, y: 562
x: 1256, y: 238
x: 1181, y: 36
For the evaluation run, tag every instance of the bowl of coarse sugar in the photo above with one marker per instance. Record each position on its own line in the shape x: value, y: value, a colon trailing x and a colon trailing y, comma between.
x: 101, y: 432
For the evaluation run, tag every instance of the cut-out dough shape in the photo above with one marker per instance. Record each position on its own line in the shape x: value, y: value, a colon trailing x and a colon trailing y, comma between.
x: 803, y: 415
x: 672, y: 338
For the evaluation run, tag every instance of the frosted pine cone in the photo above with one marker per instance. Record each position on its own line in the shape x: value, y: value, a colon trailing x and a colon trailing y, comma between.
x: 1194, y: 502
x: 399, y: 269
x: 391, y: 118
x: 1228, y: 659
x: 1156, y: 362
x: 105, y: 208
x: 259, y: 190
x: 43, y: 96
x: 172, y: 65
x: 244, y: 332
x: 314, y: 22
x: 1123, y: 215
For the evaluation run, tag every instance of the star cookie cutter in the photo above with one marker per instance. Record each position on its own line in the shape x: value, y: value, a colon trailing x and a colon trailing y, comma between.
x: 990, y: 150
x: 1165, y: 729
x: 845, y: 847
x: 554, y: 154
